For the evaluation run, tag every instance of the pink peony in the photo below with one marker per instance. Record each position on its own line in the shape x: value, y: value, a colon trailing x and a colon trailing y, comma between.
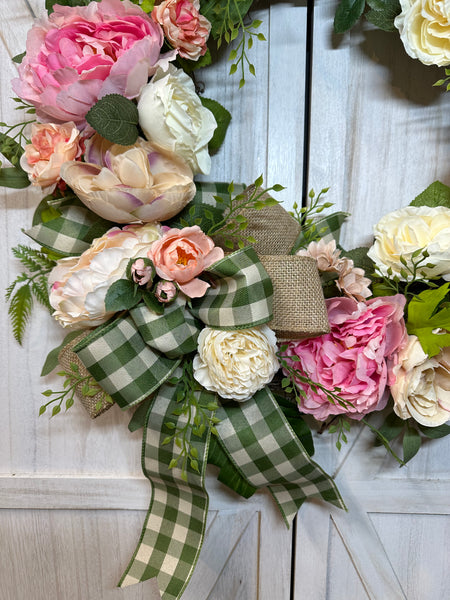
x: 79, y: 54
x: 182, y: 254
x: 359, y: 356
x: 51, y: 146
x: 184, y: 26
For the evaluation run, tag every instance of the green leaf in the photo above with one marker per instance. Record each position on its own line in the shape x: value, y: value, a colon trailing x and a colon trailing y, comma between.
x: 18, y: 58
x: 424, y: 319
x: 392, y: 427
x: 411, y: 444
x: 51, y: 362
x: 297, y: 423
x: 152, y: 303
x: 223, y: 119
x: 435, y: 433
x: 122, y: 295
x: 347, y: 14
x: 383, y: 13
x: 360, y: 258
x: 436, y: 194
x: 11, y: 150
x: 115, y: 118
x: 223, y: 13
x: 228, y: 474
x: 13, y: 177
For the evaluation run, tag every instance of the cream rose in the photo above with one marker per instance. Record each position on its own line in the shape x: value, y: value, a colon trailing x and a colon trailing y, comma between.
x: 172, y: 116
x: 422, y: 386
x: 424, y: 27
x: 236, y: 364
x: 79, y: 284
x: 126, y: 184
x: 402, y: 232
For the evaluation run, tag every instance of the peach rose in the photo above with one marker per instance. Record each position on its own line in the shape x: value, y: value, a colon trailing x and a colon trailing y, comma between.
x: 185, y: 28
x: 51, y: 146
x: 182, y: 254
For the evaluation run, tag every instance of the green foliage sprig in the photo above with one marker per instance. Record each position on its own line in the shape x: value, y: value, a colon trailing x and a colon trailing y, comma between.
x: 445, y: 82
x: 74, y: 382
x: 239, y: 54
x: 307, y: 217
x: 340, y: 425
x: 233, y: 223
x: 28, y: 286
x: 198, y: 417
x: 292, y: 376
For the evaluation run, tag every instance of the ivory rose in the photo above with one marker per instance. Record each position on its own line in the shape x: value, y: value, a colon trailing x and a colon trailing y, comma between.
x: 79, y: 284
x: 80, y: 53
x: 51, y: 146
x: 404, y: 231
x: 358, y: 356
x: 185, y: 28
x: 424, y: 27
x: 182, y: 254
x: 126, y: 184
x: 422, y: 386
x: 236, y: 364
x: 172, y: 116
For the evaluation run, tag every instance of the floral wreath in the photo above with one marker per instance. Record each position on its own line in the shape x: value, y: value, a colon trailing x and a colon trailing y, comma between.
x: 178, y: 301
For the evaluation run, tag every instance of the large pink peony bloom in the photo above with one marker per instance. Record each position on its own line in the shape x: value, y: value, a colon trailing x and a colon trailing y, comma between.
x: 358, y: 356
x: 79, y: 54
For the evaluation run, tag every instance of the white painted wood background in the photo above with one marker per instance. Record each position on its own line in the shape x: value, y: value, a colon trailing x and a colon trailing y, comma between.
x: 72, y: 496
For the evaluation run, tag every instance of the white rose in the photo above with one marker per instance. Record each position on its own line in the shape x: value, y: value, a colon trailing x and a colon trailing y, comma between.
x: 79, y: 284
x: 172, y: 116
x: 422, y: 386
x: 402, y: 232
x: 236, y: 364
x: 424, y: 27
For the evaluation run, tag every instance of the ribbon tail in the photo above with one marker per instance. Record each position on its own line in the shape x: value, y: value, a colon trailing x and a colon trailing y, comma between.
x: 174, y: 527
x: 264, y: 448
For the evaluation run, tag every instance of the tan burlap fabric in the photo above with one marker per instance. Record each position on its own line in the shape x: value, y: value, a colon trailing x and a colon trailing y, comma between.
x: 299, y: 307
x: 67, y: 356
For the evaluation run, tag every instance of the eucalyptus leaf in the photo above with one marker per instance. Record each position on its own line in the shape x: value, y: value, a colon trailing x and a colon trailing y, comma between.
x: 115, y: 118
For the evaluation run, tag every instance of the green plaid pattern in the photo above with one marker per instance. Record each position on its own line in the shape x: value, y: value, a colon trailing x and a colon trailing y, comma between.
x: 174, y: 333
x: 173, y: 532
x: 122, y: 364
x: 207, y: 190
x: 262, y: 445
x: 330, y: 227
x: 72, y: 233
x: 240, y: 297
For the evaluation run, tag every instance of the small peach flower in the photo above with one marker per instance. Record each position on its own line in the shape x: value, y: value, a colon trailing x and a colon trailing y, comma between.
x: 51, y: 146
x: 185, y: 28
x: 182, y: 254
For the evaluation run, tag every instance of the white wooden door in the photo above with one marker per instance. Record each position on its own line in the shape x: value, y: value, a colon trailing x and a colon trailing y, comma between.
x: 72, y: 495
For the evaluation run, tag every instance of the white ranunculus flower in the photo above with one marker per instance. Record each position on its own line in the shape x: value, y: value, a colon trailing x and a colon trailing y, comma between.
x: 172, y: 116
x: 79, y: 284
x: 422, y: 386
x: 402, y: 232
x: 238, y: 363
x: 424, y: 27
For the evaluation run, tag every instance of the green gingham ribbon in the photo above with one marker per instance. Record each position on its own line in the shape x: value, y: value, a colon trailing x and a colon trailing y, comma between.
x: 132, y: 356
x: 262, y: 445
x: 174, y: 528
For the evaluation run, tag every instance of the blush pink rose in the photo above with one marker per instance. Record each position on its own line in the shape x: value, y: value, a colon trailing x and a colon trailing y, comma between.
x: 359, y: 356
x: 185, y: 28
x: 51, y: 146
x: 182, y: 254
x: 79, y: 54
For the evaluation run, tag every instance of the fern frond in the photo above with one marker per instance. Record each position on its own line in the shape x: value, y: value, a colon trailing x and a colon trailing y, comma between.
x: 20, y: 311
x: 34, y: 260
x: 39, y: 287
